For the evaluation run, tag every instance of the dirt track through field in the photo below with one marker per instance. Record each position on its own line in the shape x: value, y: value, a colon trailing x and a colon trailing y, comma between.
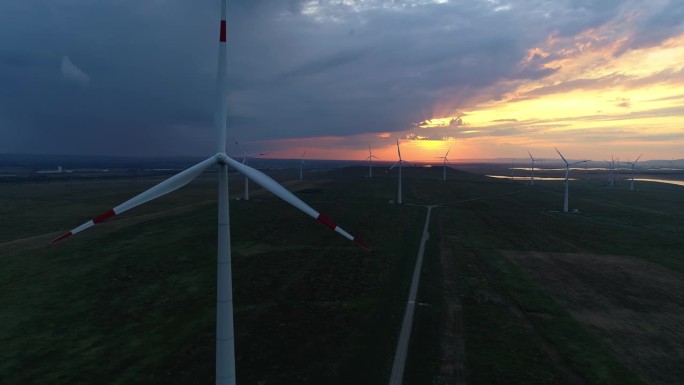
x: 636, y: 307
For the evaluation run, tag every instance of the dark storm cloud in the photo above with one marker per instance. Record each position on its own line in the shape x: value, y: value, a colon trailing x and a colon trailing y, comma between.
x: 137, y: 76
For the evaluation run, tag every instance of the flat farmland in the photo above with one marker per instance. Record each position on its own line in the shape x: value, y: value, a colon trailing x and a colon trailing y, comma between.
x: 489, y: 319
x: 133, y: 299
x: 512, y: 291
x: 635, y: 306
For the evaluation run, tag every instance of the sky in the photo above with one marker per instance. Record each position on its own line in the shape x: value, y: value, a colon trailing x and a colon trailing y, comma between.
x: 483, y: 78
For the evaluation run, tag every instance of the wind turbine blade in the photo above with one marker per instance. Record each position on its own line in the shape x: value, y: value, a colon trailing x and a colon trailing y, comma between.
x: 637, y: 159
x: 447, y: 153
x: 269, y: 184
x: 528, y: 153
x: 395, y: 164
x: 398, y: 150
x: 303, y: 153
x: 561, y: 155
x: 175, y: 182
x: 220, y: 109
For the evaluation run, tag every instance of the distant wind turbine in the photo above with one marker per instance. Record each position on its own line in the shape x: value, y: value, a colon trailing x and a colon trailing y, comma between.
x: 225, y: 351
x: 370, y: 158
x: 244, y: 161
x: 631, y: 183
x: 446, y: 160
x: 301, y: 166
x: 399, y: 163
x: 567, y: 182
x: 611, y: 170
x: 533, y: 160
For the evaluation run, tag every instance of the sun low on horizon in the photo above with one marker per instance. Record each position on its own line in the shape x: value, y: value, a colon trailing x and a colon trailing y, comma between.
x: 603, y: 94
x: 327, y: 79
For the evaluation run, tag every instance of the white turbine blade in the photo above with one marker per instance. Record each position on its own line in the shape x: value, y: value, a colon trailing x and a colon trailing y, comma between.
x: 220, y: 109
x: 373, y: 156
x: 269, y: 184
x: 561, y: 155
x: 370, y: 154
x: 398, y: 150
x: 304, y: 153
x: 175, y: 182
x: 581, y: 161
x: 395, y: 164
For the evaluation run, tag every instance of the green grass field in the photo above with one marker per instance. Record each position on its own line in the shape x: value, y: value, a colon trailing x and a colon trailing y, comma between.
x: 132, y: 300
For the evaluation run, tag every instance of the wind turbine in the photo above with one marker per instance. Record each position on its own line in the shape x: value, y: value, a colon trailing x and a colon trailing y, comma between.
x: 446, y: 160
x: 611, y: 170
x: 631, y: 183
x: 399, y: 162
x: 533, y: 160
x: 567, y: 182
x: 225, y: 352
x: 301, y: 166
x: 369, y: 158
x: 244, y: 161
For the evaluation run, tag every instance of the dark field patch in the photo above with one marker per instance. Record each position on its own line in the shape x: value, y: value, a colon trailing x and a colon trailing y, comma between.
x: 634, y: 306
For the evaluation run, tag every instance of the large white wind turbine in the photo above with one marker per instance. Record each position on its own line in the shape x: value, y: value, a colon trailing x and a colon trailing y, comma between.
x: 446, y: 160
x: 533, y: 160
x: 244, y: 161
x: 567, y: 182
x: 370, y: 158
x: 301, y: 166
x: 633, y: 164
x: 225, y: 351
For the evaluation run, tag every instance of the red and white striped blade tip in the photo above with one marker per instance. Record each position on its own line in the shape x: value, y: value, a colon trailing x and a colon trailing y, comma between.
x: 98, y: 219
x: 332, y: 225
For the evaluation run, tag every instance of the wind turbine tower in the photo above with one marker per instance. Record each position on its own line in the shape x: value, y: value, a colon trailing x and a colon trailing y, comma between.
x: 301, y: 166
x: 399, y: 163
x: 446, y: 160
x: 631, y: 182
x: 244, y: 161
x: 533, y: 160
x: 567, y: 182
x: 369, y: 158
x: 225, y: 350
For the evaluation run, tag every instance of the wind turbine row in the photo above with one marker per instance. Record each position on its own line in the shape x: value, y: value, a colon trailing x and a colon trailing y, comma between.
x: 225, y: 350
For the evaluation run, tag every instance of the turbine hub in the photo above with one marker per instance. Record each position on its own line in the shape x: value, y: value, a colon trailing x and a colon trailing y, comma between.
x: 221, y: 158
